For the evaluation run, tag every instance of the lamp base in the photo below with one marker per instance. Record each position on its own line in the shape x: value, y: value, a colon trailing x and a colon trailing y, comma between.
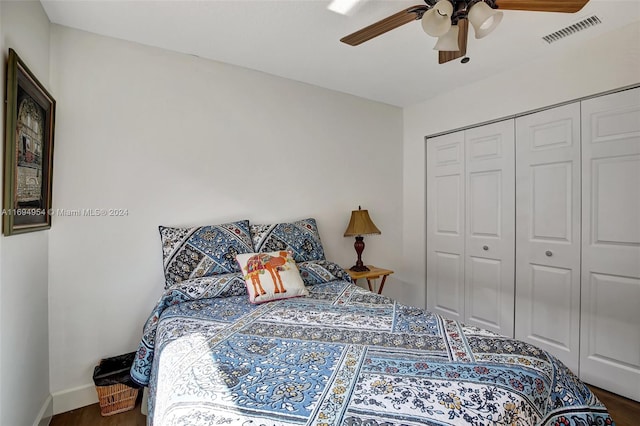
x: 359, y: 246
x: 359, y: 268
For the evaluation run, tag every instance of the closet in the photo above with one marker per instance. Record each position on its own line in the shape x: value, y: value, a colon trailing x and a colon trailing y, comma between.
x: 544, y: 210
x: 470, y: 235
x: 548, y: 231
x: 610, y: 299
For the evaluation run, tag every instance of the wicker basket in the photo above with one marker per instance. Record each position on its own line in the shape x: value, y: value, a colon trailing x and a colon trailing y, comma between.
x: 116, y: 399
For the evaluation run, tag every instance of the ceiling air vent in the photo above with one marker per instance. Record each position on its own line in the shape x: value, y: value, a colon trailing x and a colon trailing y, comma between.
x: 572, y: 29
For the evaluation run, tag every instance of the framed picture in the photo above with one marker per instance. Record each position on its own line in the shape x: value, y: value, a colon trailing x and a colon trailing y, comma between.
x: 28, y: 151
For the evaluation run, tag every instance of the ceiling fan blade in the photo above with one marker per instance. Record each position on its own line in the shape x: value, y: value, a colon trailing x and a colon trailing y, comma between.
x: 566, y: 6
x: 444, y: 56
x: 387, y: 24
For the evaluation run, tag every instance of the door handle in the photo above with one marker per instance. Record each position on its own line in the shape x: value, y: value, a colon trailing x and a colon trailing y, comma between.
x: 549, y: 253
x: 485, y: 248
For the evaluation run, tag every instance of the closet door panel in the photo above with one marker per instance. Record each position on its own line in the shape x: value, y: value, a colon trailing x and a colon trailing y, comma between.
x: 610, y: 325
x: 548, y: 231
x: 490, y: 227
x: 551, y: 287
x: 445, y: 225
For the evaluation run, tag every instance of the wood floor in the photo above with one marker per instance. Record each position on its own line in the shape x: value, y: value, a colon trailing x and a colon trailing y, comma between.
x: 625, y: 412
x: 90, y: 416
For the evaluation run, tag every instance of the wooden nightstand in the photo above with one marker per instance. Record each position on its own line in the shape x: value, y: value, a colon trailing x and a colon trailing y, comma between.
x: 372, y: 274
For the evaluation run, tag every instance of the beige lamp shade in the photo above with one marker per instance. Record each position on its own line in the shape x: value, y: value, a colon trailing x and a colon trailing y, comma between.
x: 484, y: 19
x: 437, y: 20
x: 449, y: 41
x: 361, y: 224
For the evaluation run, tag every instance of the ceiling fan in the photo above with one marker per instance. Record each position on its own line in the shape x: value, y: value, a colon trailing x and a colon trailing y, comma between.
x: 449, y: 21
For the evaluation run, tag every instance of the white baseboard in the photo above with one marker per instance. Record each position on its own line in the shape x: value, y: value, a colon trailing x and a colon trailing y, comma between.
x: 46, y: 413
x: 145, y: 401
x: 71, y: 399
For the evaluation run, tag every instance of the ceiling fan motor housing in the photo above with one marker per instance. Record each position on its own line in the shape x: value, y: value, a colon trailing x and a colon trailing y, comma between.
x: 461, y: 8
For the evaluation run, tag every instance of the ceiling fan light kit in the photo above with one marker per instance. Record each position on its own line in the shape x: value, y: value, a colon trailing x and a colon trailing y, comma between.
x: 448, y: 20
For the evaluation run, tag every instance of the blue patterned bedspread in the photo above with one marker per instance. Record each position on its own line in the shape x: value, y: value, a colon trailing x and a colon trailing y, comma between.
x: 342, y: 356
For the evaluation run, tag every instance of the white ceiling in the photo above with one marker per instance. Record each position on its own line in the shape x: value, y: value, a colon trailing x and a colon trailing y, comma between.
x: 299, y: 40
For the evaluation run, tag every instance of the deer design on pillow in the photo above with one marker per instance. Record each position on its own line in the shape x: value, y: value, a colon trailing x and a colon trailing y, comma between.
x: 261, y: 262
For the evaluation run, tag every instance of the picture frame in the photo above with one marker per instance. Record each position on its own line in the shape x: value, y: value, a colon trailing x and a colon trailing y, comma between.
x: 28, y: 151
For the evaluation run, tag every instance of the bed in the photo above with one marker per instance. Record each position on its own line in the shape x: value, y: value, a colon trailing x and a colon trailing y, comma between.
x: 340, y: 355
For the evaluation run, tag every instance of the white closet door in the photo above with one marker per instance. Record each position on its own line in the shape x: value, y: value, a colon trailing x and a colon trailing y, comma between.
x: 445, y: 225
x: 610, y: 329
x: 490, y: 227
x: 548, y: 231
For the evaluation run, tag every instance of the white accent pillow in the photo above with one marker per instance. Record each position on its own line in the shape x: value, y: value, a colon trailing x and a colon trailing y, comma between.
x: 271, y: 276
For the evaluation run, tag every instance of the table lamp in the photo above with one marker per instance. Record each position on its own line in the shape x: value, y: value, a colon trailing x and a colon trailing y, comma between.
x: 359, y: 225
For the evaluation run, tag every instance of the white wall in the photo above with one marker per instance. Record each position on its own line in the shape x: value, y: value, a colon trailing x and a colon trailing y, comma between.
x: 1, y: 286
x: 178, y: 140
x: 608, y: 62
x: 24, y: 331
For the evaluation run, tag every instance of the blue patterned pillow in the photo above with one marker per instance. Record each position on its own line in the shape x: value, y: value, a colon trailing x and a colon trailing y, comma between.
x: 322, y: 271
x: 301, y: 238
x: 203, y: 251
